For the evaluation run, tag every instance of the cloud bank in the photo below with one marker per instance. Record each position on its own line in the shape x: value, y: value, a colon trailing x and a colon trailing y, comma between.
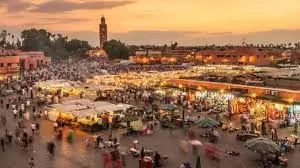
x: 54, y: 6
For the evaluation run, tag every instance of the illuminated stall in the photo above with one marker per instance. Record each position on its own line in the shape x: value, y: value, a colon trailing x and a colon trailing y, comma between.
x: 86, y: 114
x: 293, y: 113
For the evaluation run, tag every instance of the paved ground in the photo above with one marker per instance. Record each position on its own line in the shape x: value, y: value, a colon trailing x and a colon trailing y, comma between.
x: 77, y: 155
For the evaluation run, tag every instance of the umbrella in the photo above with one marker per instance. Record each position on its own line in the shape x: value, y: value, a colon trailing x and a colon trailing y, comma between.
x: 195, y: 143
x: 208, y: 123
x: 198, y: 162
x: 262, y: 145
x: 168, y: 107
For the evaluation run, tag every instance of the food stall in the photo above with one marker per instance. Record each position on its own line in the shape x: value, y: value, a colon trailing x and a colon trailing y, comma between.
x: 293, y: 113
x: 70, y: 88
x: 86, y: 114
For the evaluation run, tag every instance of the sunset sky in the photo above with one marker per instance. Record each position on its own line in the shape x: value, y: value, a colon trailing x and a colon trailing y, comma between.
x: 160, y: 21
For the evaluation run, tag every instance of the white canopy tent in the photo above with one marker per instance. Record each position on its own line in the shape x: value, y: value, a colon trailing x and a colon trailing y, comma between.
x: 84, y: 107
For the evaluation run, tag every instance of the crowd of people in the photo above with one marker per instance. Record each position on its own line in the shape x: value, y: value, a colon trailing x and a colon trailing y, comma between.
x: 86, y: 68
x: 21, y: 103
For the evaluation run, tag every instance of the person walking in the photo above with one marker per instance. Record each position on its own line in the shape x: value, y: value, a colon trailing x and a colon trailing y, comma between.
x: 2, y: 144
x: 33, y: 129
x: 272, y: 134
x: 51, y: 147
x: 37, y: 128
x: 1, y: 103
x: 275, y: 134
x: 31, y: 162
x: 15, y: 113
x: 142, y: 153
x: 156, y: 159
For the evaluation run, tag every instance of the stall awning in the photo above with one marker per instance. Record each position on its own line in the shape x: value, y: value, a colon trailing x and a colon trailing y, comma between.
x: 278, y: 99
x: 84, y: 107
x: 85, y: 113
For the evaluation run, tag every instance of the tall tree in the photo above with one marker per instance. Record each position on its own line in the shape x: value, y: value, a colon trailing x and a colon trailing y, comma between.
x: 116, y: 49
x: 3, y: 37
x: 174, y: 45
x: 18, y: 44
x: 55, y: 45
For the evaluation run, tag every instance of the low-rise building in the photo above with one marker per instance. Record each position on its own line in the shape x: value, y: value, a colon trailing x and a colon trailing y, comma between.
x: 96, y: 53
x: 9, y: 64
x: 33, y: 59
x: 233, y: 56
x: 236, y: 56
x: 17, y: 60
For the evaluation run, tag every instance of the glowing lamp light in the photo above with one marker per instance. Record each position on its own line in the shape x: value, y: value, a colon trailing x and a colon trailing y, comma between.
x: 180, y: 86
x: 199, y: 88
x: 242, y: 100
x: 253, y: 95
x: 291, y: 100
x: 222, y: 91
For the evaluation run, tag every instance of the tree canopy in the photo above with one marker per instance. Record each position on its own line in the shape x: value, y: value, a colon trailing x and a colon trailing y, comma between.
x: 116, y: 49
x: 55, y: 45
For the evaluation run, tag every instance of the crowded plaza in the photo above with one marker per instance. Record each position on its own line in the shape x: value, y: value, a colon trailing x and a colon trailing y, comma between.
x: 91, y: 113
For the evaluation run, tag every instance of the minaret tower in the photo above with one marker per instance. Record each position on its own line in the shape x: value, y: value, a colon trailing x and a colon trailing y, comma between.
x: 102, y: 31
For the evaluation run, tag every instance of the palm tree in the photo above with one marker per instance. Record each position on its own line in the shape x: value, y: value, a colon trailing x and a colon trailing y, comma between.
x: 13, y: 41
x: 8, y: 43
x: 290, y: 45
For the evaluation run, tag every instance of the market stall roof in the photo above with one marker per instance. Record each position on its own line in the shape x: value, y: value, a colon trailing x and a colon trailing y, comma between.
x: 275, y: 99
x: 208, y: 123
x: 85, y: 113
x: 78, y: 102
x: 57, y: 84
x: 113, y: 107
x: 68, y: 108
x: 92, y: 87
x: 84, y: 107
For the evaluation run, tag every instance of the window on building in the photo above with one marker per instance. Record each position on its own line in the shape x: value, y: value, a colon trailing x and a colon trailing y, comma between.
x: 1, y: 64
x: 9, y: 64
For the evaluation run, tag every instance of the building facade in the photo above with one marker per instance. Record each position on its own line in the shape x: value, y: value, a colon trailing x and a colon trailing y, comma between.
x: 102, y: 31
x: 9, y: 64
x: 19, y: 60
x: 33, y: 60
x: 256, y: 91
x: 237, y: 56
x: 96, y: 53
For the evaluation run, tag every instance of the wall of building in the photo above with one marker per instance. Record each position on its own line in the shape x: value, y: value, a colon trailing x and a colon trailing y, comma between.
x: 9, y: 64
x: 34, y: 59
x: 255, y: 90
x: 235, y: 57
x: 149, y: 53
